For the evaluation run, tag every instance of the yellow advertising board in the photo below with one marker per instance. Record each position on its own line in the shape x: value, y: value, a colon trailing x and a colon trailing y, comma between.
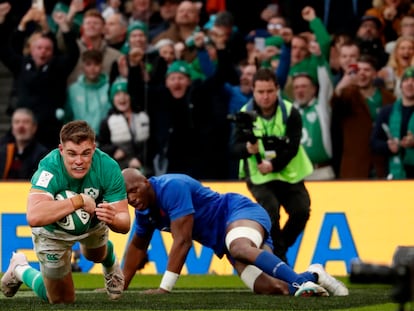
x: 355, y: 219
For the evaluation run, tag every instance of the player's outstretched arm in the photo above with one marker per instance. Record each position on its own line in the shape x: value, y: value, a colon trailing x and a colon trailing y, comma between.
x: 115, y: 215
x: 135, y: 257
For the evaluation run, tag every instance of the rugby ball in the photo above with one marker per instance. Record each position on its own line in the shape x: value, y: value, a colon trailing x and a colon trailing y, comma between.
x: 76, y: 223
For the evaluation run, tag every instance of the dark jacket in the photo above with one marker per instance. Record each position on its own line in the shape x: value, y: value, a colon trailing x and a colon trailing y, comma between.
x: 43, y: 90
x: 351, y: 129
x: 29, y: 159
x: 192, y: 130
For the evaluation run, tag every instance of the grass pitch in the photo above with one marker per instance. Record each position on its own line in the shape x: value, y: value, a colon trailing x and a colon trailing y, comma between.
x: 203, y: 292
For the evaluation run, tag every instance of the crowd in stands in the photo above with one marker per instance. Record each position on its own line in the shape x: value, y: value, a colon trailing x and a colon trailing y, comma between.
x: 158, y: 79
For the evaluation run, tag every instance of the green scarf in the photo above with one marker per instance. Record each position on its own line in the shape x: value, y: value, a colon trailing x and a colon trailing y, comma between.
x: 396, y: 162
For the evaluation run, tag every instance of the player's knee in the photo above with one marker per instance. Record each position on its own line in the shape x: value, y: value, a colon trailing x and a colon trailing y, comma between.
x: 236, y: 241
x: 95, y: 255
x: 65, y: 300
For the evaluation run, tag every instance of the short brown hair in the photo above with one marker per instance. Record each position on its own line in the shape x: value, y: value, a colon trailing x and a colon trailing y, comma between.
x: 77, y: 132
x: 265, y: 74
x: 94, y: 56
x: 94, y: 13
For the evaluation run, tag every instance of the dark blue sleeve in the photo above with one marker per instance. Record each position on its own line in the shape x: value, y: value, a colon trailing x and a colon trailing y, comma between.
x: 206, y: 65
x: 282, y: 70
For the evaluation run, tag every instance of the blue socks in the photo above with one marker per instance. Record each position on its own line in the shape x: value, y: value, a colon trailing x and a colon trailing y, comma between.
x: 274, y: 266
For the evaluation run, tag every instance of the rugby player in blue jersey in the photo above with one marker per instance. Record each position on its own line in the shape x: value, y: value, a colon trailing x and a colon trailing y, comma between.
x: 230, y: 224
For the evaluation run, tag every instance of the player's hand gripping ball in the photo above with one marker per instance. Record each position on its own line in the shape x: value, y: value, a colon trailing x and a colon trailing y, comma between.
x: 76, y: 223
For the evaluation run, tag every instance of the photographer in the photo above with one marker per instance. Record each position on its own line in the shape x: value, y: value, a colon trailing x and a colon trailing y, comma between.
x: 274, y: 165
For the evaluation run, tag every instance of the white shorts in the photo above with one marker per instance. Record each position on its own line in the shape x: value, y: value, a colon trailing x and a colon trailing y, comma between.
x: 54, y: 250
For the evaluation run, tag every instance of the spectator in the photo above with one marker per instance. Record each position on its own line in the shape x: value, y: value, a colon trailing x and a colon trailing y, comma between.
x: 337, y: 16
x: 390, y: 14
x: 124, y: 132
x: 406, y: 30
x: 112, y: 7
x: 312, y: 98
x: 275, y: 25
x: 20, y: 152
x: 136, y: 37
x: 41, y: 76
x: 275, y: 165
x: 88, y: 97
x: 74, y: 11
x: 369, y: 40
x: 338, y: 40
x: 168, y: 9
x: 238, y: 95
x: 301, y: 59
x: 92, y: 39
x: 165, y: 48
x: 355, y: 106
x: 224, y: 26
x: 399, y: 60
x: 185, y: 25
x: 393, y: 134
x: 136, y: 51
x: 143, y: 11
x: 189, y: 119
x: 235, y: 226
x: 241, y: 93
x: 349, y: 54
x: 116, y: 27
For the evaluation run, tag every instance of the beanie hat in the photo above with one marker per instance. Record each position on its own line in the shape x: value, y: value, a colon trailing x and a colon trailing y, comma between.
x: 276, y: 41
x: 179, y: 66
x: 119, y: 85
x: 408, y: 73
x: 137, y: 25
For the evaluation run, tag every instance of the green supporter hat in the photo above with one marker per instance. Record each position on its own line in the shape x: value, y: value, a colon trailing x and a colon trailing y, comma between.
x: 136, y: 25
x: 62, y: 7
x: 180, y: 66
x: 276, y: 41
x: 119, y: 85
x: 408, y: 73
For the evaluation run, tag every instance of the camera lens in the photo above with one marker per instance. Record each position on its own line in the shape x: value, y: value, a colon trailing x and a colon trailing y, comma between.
x: 364, y: 273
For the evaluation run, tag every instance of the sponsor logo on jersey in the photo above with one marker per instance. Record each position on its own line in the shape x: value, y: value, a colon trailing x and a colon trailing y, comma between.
x: 44, y: 179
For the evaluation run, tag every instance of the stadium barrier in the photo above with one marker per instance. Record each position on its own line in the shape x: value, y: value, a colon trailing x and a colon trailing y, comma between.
x: 349, y: 219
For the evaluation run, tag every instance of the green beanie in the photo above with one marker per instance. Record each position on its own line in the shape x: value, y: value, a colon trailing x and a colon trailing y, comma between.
x: 137, y: 25
x: 408, y: 73
x: 276, y: 41
x: 180, y: 66
x: 119, y: 85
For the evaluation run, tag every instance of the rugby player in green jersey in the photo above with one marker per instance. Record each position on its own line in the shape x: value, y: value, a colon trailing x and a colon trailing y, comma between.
x: 76, y: 165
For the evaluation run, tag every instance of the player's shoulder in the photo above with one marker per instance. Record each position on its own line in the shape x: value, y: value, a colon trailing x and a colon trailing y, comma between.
x: 104, y: 160
x: 52, y: 163
x: 52, y: 158
x: 175, y: 179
